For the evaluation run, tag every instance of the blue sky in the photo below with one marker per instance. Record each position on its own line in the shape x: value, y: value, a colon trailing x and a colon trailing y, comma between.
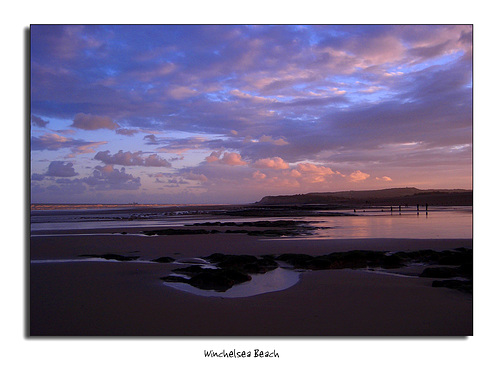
x: 230, y: 113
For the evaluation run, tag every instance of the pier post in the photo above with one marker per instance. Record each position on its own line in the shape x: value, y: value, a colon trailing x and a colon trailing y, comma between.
x: 399, y: 209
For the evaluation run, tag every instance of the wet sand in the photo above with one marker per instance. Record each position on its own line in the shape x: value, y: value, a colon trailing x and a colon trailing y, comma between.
x: 129, y: 299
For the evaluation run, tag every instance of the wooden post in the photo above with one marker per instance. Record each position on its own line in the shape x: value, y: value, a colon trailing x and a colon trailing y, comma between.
x: 399, y: 209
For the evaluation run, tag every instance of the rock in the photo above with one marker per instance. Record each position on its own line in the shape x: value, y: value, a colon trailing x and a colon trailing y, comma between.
x: 176, y: 231
x: 218, y: 279
x: 319, y: 263
x: 297, y: 260
x: 244, y: 263
x: 440, y: 272
x: 164, y: 259
x: 111, y: 256
x: 174, y: 279
x: 190, y: 270
x: 392, y: 262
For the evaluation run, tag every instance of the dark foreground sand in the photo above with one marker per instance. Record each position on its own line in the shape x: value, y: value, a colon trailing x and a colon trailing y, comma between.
x: 129, y: 299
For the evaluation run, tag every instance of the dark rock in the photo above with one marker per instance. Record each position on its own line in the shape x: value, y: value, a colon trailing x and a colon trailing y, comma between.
x: 243, y: 263
x: 392, y: 262
x: 440, y: 272
x: 234, y: 261
x: 319, y: 263
x: 218, y: 279
x: 455, y: 257
x: 466, y: 270
x: 176, y: 231
x: 191, y: 270
x: 215, y: 257
x: 164, y: 259
x: 174, y: 279
x: 111, y: 256
x: 297, y: 260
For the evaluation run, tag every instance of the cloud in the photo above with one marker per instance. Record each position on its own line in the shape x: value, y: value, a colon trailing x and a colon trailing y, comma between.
x: 61, y: 169
x: 195, y: 177
x: 270, y: 139
x: 259, y: 175
x: 383, y: 178
x: 87, y: 148
x: 341, y: 96
x: 37, y: 177
x: 181, y: 92
x: 131, y: 158
x: 271, y: 163
x: 232, y: 158
x: 177, y: 146
x: 51, y: 142
x: 128, y: 132
x: 39, y: 122
x: 54, y: 142
x: 313, y: 173
x: 108, y: 178
x: 93, y: 122
x: 156, y: 161
x: 358, y: 176
x: 229, y: 158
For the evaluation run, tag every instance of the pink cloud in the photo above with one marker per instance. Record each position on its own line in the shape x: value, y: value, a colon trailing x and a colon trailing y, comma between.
x: 272, y: 163
x: 357, y: 176
x: 229, y: 158
x: 232, y: 158
x: 88, y: 148
x: 311, y: 173
x: 383, y: 178
x: 259, y: 175
x: 315, y: 169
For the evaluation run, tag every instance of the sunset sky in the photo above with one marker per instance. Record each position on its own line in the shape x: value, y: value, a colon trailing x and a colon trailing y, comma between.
x: 229, y: 114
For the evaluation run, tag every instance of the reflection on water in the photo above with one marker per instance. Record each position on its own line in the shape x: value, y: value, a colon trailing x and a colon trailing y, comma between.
x: 275, y: 280
x: 438, y: 223
x: 444, y: 224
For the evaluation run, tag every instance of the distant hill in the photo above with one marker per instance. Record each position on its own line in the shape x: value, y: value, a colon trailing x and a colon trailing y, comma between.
x: 394, y: 196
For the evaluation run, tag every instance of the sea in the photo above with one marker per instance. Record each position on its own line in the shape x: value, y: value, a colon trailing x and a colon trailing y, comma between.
x: 447, y: 222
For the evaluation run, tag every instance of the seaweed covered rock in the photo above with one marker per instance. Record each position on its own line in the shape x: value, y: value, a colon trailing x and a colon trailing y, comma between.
x: 243, y: 263
x: 209, y: 279
x: 164, y: 259
x: 440, y: 272
x: 218, y: 279
x: 112, y: 256
x: 176, y: 231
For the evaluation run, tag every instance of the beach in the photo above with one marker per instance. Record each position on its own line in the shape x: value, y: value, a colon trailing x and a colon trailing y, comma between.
x: 73, y: 297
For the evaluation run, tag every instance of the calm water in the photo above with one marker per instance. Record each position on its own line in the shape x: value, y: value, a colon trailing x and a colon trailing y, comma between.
x: 438, y: 223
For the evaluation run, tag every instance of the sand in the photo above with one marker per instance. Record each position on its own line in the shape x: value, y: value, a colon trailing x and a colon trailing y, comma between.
x: 129, y: 299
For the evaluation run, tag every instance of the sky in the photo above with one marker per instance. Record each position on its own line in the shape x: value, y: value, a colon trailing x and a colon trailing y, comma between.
x: 231, y: 113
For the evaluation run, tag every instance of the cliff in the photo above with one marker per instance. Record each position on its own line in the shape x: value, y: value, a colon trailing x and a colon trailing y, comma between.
x: 393, y: 196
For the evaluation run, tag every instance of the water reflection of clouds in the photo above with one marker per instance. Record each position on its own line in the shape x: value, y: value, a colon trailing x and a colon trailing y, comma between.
x: 455, y: 224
